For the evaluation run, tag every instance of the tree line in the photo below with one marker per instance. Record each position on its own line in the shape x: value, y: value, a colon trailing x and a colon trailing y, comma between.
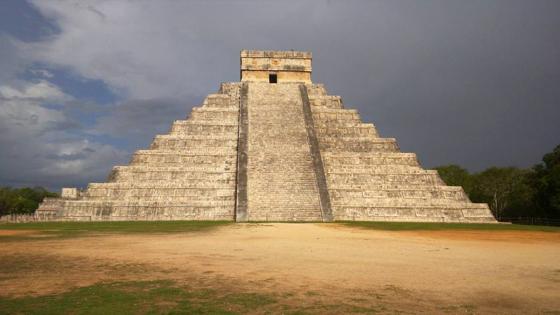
x: 22, y: 200
x: 510, y: 191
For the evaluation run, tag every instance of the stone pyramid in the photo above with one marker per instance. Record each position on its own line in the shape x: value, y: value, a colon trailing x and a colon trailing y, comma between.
x: 273, y: 147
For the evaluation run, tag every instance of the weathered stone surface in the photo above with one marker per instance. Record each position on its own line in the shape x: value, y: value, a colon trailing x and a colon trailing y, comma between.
x: 260, y: 151
x: 288, y: 66
x: 188, y: 174
x: 281, y: 180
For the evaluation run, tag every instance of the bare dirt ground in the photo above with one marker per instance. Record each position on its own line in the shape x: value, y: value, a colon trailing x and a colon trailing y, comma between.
x: 404, y: 271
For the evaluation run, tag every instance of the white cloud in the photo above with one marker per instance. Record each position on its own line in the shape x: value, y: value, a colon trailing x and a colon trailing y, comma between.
x: 41, y: 146
x: 161, y: 49
x: 42, y: 90
x: 42, y: 72
x: 108, y: 40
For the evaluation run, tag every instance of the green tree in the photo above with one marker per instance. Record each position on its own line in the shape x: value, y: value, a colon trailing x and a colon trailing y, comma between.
x: 454, y: 175
x: 546, y: 181
x: 506, y: 190
x: 23, y: 200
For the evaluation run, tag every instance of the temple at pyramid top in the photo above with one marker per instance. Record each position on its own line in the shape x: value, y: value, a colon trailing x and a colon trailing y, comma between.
x: 275, y: 66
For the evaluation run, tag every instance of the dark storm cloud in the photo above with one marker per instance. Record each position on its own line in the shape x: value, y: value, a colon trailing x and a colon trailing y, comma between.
x: 469, y: 82
x: 138, y: 121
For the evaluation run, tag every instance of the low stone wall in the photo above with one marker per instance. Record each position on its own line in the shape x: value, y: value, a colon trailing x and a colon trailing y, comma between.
x: 21, y: 218
x: 24, y: 218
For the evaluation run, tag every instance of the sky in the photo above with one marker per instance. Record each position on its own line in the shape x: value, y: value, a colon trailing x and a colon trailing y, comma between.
x: 83, y: 84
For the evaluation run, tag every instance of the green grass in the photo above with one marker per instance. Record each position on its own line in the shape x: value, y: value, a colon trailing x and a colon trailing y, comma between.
x: 73, y: 229
x: 428, y: 226
x: 169, y: 297
x: 137, y: 297
x: 50, y: 230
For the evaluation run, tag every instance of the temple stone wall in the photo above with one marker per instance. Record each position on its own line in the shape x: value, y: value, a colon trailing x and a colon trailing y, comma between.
x: 289, y: 66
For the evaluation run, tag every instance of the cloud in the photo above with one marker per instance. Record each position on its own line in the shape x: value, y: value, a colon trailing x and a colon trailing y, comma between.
x: 42, y: 73
x: 108, y: 40
x: 41, y: 90
x: 138, y: 121
x: 11, y: 59
x: 469, y: 82
x: 42, y: 146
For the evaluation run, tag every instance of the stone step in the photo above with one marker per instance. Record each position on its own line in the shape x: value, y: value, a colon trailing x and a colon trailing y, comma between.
x: 369, y: 158
x: 417, y: 172
x: 287, y: 195
x: 202, y: 153
x: 189, y: 152
x: 327, y: 101
x: 394, y: 185
x: 361, y: 145
x: 225, y: 183
x: 294, y: 216
x: 85, y: 210
x: 128, y: 175
x: 176, y: 142
x: 211, y: 119
x: 322, y: 124
x: 204, y: 127
x: 273, y: 209
x: 373, y: 169
x: 353, y: 138
x: 339, y: 111
x: 211, y: 122
x: 346, y: 196
x: 230, y: 88
x: 456, y: 212
x: 373, y: 190
x: 197, y: 168
x: 462, y: 206
x: 321, y: 115
x: 218, y: 100
x: 316, y: 90
x: 120, y: 192
x: 232, y: 110
x: 397, y: 202
x: 367, y: 179
x: 203, y: 136
x: 225, y: 114
x: 173, y: 158
x: 167, y: 203
x: 359, y: 130
x: 196, y: 199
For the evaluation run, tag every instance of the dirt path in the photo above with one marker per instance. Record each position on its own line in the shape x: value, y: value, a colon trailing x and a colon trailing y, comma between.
x: 439, y: 271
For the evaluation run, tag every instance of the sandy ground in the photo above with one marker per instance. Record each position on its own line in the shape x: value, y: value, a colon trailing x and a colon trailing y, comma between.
x: 431, y: 271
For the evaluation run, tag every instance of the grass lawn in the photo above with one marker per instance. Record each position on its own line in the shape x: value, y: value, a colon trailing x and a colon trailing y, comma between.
x: 137, y: 297
x: 170, y: 297
x: 50, y: 230
x: 73, y: 229
x: 428, y: 226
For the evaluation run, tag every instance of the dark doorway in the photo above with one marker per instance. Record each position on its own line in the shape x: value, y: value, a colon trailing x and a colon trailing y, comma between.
x: 272, y: 78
